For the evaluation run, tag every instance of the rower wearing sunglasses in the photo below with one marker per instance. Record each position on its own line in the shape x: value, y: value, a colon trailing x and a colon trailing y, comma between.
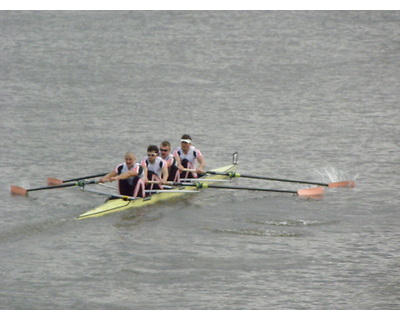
x: 189, y: 155
x: 157, y: 169
x: 173, y: 162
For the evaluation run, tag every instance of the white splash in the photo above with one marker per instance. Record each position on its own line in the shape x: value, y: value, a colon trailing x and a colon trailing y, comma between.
x: 331, y: 174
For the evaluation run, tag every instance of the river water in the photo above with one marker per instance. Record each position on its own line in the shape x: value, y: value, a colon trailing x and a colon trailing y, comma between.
x: 303, y: 95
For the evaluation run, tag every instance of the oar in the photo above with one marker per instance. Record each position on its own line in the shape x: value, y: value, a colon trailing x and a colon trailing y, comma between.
x: 349, y: 184
x: 134, y: 198
x: 154, y: 190
x: 19, y: 191
x: 107, y: 186
x: 111, y: 194
x: 55, y: 181
x: 170, y: 191
x: 317, y: 191
x: 205, y: 180
x: 192, y: 180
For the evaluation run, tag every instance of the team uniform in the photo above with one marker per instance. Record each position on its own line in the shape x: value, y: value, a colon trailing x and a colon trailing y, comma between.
x: 133, y: 186
x: 188, y: 160
x: 154, y: 170
x: 173, y: 173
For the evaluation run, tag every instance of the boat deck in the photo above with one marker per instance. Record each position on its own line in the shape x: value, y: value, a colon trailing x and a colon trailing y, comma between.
x: 116, y: 205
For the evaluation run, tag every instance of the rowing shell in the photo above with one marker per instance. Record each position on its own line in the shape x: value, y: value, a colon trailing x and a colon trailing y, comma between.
x: 115, y: 205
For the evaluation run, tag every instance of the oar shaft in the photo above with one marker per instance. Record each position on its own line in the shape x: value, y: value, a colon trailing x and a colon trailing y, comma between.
x: 204, y: 185
x: 110, y: 194
x: 170, y: 191
x: 235, y: 174
x: 251, y: 189
x: 15, y: 190
x: 311, y: 192
x: 85, y: 177
x: 205, y: 180
x: 53, y: 187
x: 283, y: 180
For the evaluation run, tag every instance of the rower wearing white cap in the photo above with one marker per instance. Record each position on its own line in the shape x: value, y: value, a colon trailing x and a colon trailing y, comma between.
x: 188, y: 156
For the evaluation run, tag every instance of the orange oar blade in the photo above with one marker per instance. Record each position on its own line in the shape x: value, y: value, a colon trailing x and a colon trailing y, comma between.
x: 18, y: 191
x: 54, y: 181
x: 311, y: 192
x: 342, y: 184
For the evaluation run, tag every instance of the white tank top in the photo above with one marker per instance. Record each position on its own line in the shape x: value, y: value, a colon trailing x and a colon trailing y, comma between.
x: 170, y: 160
x: 124, y: 168
x: 191, y: 156
x: 156, y: 167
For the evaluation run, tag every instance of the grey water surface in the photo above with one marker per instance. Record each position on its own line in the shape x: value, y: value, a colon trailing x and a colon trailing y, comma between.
x: 310, y: 95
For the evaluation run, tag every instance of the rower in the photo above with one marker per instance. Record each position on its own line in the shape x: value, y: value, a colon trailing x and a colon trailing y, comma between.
x: 156, y: 167
x: 173, y: 162
x: 130, y: 176
x: 188, y: 155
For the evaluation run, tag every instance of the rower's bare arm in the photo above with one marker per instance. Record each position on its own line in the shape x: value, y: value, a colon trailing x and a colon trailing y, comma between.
x: 125, y: 175
x: 165, y: 174
x: 108, y: 176
x: 202, y: 165
x: 145, y: 174
x: 178, y: 160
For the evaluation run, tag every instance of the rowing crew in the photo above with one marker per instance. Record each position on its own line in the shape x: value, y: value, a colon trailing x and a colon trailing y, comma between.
x: 160, y: 165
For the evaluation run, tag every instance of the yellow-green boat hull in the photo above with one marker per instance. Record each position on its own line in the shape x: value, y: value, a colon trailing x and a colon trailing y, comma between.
x: 116, y: 205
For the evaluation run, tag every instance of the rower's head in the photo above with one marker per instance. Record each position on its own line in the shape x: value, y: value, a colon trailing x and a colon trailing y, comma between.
x: 130, y: 159
x: 165, y: 149
x: 152, y: 152
x: 186, y: 142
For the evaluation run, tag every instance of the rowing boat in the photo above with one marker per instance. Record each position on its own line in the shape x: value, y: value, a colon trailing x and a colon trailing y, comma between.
x: 125, y: 203
x: 118, y: 202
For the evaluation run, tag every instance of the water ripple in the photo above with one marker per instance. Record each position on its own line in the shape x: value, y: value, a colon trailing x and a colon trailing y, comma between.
x: 293, y: 223
x: 259, y: 232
